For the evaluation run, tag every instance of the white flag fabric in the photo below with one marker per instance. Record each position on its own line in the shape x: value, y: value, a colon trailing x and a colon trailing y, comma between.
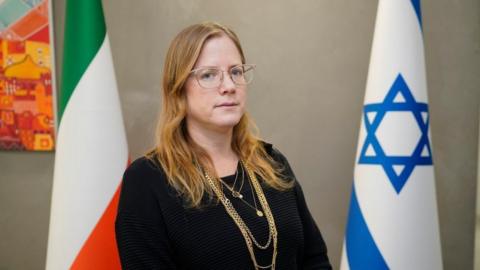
x: 393, y: 220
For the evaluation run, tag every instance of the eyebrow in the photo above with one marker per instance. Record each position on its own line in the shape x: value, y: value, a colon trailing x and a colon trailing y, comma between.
x: 217, y: 67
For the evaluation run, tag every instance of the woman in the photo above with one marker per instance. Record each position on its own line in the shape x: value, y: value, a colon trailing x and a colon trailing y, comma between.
x: 211, y: 195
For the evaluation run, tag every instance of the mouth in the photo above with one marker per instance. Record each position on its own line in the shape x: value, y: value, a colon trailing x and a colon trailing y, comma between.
x: 227, y: 104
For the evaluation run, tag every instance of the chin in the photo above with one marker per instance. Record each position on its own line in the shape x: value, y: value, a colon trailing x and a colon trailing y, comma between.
x: 227, y: 122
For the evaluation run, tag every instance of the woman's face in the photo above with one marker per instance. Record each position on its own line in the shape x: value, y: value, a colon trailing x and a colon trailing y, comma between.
x: 218, y: 108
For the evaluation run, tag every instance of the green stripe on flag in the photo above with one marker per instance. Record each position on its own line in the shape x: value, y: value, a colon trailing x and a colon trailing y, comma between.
x: 84, y: 34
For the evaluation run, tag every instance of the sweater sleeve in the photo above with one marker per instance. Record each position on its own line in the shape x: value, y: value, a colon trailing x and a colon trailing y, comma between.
x: 315, y: 250
x: 140, y: 230
x: 315, y: 253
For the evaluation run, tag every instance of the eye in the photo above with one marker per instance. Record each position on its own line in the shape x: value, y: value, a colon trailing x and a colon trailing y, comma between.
x: 237, y: 71
x: 208, y: 75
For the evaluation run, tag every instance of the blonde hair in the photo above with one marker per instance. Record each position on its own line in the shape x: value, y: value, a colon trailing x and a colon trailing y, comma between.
x: 180, y: 157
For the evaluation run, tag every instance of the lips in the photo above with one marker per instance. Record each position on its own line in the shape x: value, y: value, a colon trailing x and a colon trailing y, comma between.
x: 227, y: 104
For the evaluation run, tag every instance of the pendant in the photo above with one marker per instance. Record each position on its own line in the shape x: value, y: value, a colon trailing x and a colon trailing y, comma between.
x: 259, y: 213
x: 237, y: 194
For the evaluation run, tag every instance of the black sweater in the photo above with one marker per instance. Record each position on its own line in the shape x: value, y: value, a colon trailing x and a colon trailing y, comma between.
x: 155, y: 231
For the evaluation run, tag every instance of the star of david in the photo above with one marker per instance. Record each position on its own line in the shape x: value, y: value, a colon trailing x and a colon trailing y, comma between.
x: 397, y: 167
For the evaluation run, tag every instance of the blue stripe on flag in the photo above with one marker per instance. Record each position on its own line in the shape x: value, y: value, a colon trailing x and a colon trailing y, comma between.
x: 362, y: 252
x: 416, y: 6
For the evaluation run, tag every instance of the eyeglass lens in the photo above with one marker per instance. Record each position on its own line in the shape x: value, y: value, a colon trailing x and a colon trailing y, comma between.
x: 213, y: 77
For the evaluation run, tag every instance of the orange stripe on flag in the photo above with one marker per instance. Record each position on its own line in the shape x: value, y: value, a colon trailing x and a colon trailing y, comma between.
x: 100, y: 250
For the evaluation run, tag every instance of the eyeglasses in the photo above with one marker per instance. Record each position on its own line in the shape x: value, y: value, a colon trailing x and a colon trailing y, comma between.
x: 212, y: 77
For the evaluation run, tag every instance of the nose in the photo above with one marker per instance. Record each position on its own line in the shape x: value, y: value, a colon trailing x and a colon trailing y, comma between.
x: 227, y: 85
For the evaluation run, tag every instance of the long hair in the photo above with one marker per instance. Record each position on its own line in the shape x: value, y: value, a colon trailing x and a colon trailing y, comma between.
x: 180, y: 157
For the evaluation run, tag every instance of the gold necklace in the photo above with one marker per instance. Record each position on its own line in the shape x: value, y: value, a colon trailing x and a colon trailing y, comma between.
x: 259, y: 213
x: 238, y: 195
x: 247, y: 235
x: 235, y: 193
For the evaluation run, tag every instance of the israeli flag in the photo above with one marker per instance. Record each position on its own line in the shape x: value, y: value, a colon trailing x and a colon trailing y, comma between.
x: 393, y: 221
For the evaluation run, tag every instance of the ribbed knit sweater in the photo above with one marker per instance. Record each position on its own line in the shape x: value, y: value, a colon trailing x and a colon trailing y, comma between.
x: 154, y: 229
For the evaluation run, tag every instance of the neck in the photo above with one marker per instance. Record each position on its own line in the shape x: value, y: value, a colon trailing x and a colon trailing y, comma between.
x: 217, y: 143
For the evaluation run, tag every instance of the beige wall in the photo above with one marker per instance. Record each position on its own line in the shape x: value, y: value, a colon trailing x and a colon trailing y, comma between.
x: 312, y: 59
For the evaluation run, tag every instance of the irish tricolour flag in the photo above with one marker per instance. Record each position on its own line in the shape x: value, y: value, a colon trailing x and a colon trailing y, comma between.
x: 393, y: 221
x: 91, y: 150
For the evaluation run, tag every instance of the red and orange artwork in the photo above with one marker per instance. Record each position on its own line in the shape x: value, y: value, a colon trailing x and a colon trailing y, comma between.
x: 26, y: 100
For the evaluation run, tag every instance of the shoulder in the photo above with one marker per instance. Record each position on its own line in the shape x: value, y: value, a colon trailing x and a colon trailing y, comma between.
x: 144, y: 171
x: 285, y: 168
x: 143, y: 166
x: 281, y: 160
x: 144, y: 186
x: 273, y: 152
x: 145, y: 175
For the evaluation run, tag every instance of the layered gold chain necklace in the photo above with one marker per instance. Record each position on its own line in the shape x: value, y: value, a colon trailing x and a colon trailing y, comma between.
x: 238, y: 195
x: 247, y: 234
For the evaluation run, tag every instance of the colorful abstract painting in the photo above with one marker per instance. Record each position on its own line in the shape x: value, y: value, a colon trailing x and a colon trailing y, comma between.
x: 26, y: 64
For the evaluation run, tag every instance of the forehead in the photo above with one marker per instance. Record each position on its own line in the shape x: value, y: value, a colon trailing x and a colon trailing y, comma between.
x: 219, y: 51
